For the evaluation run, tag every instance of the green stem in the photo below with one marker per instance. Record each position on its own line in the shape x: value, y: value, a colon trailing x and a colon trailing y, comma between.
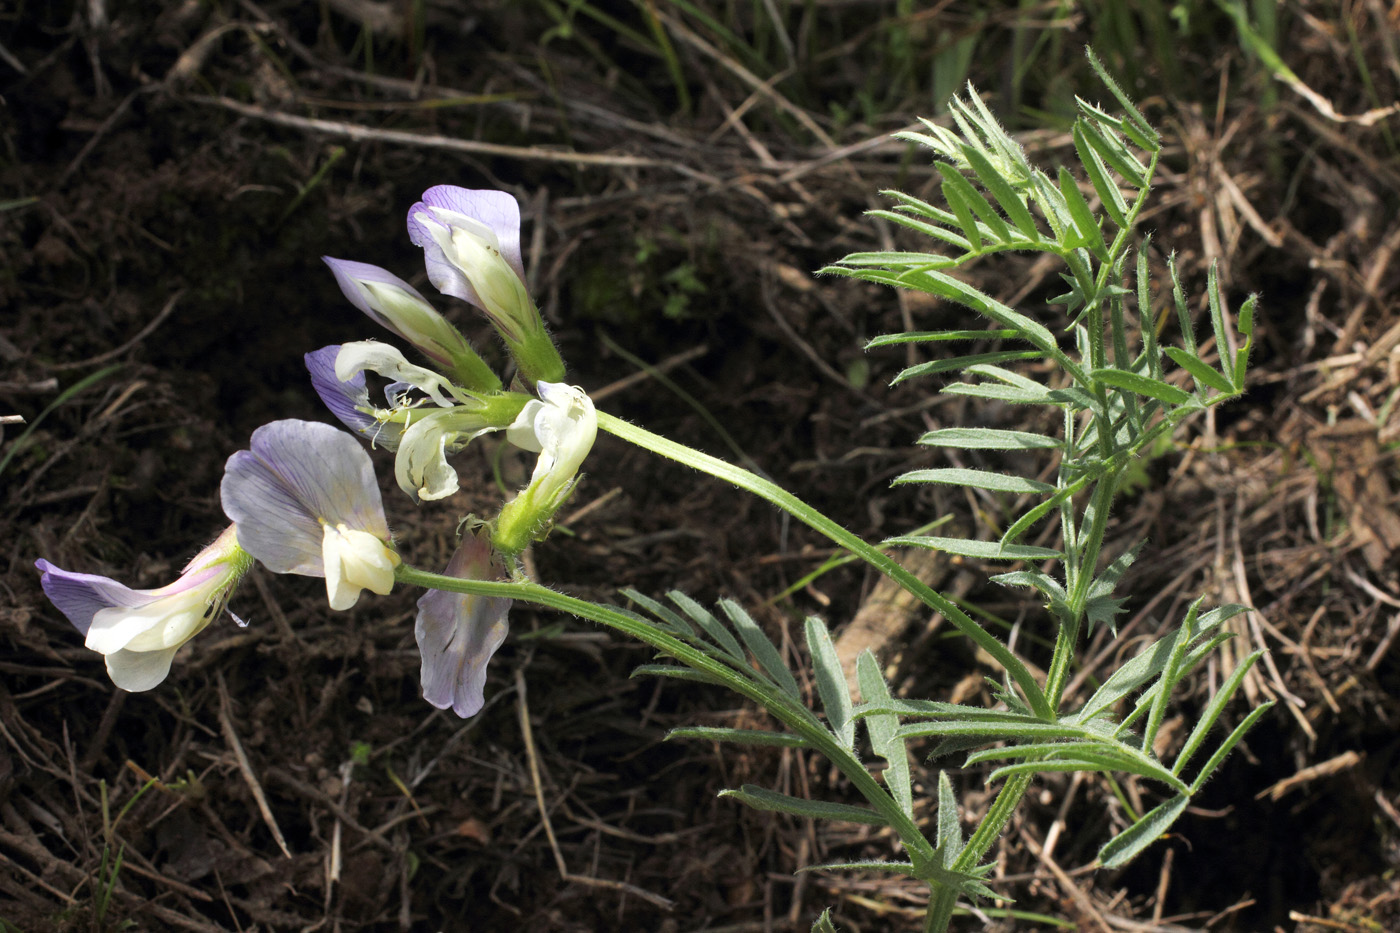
x: 943, y: 900
x: 804, y: 513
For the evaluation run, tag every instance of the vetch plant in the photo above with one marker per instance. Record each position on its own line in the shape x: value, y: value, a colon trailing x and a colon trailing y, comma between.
x: 304, y: 500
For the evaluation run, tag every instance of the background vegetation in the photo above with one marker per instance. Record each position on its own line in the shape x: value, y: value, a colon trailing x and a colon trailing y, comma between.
x: 173, y: 172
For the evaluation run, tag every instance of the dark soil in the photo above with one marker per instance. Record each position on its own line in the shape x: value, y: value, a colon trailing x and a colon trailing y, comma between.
x: 166, y: 201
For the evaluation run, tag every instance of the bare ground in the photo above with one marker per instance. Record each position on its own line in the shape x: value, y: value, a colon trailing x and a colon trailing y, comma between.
x: 172, y: 176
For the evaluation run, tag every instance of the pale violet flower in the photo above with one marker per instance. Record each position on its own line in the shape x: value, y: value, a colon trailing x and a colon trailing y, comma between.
x: 305, y: 501
x: 471, y: 247
x: 139, y: 631
x: 561, y: 425
x: 397, y: 306
x: 349, y: 400
x: 360, y: 355
x: 457, y: 633
x: 424, y: 437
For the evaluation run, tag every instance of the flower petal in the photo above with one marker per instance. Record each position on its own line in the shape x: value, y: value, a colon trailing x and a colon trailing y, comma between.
x: 137, y: 671
x: 356, y: 357
x: 353, y: 277
x: 421, y: 467
x: 139, y: 631
x: 80, y: 596
x: 564, y: 424
x: 297, y: 475
x: 354, y: 561
x: 167, y: 622
x: 349, y: 400
x: 496, y: 210
x: 397, y: 306
x: 458, y: 634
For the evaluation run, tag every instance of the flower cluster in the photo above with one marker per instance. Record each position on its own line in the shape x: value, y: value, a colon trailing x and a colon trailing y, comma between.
x: 303, y: 498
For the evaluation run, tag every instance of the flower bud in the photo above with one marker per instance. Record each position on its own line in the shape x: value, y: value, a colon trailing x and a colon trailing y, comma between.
x: 395, y: 305
x: 561, y: 425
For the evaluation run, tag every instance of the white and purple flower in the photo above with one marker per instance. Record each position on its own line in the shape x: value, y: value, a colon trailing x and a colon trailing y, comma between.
x: 471, y: 246
x: 349, y: 400
x: 305, y: 501
x: 458, y: 633
x: 139, y: 631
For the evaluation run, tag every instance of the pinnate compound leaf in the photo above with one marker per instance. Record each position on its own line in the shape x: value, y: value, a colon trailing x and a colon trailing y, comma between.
x: 883, y: 729
x: 927, y: 228
x: 1229, y: 744
x: 938, y: 283
x: 1150, y: 141
x: 1124, y: 847
x: 1082, y: 755
x: 1148, y: 325
x: 983, y: 550
x: 769, y: 658
x: 1088, y: 763
x: 1001, y: 393
x: 893, y: 260
x: 1245, y: 325
x: 1056, y: 212
x: 988, y: 731
x: 1100, y: 132
x: 907, y: 202
x: 932, y: 709
x: 1038, y: 511
x: 959, y: 187
x: 760, y: 798
x: 1217, y: 321
x: 1200, y: 369
x: 738, y: 736
x: 1153, y: 660
x: 963, y: 211
x: 1213, y: 709
x: 1056, y: 599
x: 831, y: 682
x: 676, y: 672
x: 1005, y: 195
x: 987, y: 439
x: 904, y: 868
x: 1118, y: 124
x: 1171, y: 673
